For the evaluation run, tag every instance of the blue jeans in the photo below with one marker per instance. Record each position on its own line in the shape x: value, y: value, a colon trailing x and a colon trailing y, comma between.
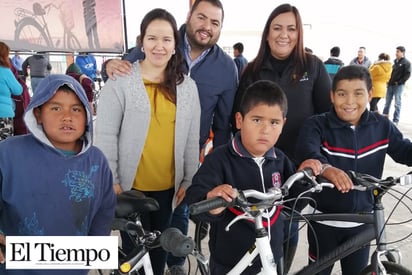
x: 180, y: 220
x: 393, y: 91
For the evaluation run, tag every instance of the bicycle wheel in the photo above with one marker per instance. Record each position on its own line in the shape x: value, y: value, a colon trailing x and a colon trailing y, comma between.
x: 29, y: 30
x: 391, y: 269
x: 201, y: 231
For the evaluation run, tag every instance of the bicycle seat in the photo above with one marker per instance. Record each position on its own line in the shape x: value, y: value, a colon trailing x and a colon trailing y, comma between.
x: 38, y: 9
x: 133, y: 201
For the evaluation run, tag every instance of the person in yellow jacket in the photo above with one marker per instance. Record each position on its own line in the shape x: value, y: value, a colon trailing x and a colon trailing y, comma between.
x: 381, y: 73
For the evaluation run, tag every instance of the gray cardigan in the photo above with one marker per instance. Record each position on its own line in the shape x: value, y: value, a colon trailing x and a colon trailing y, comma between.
x: 123, y: 122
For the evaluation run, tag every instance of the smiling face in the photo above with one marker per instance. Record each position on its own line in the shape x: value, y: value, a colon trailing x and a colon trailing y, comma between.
x: 350, y: 99
x: 260, y: 128
x: 159, y: 43
x: 283, y: 35
x: 204, y: 25
x: 63, y: 118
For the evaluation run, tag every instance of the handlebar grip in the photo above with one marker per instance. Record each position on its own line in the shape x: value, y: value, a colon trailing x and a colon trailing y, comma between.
x: 405, y: 180
x: 207, y: 205
x: 173, y: 241
x: 309, y: 171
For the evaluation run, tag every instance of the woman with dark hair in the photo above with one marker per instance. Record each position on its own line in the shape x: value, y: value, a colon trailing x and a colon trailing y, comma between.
x: 282, y: 58
x: 148, y: 126
x: 8, y: 86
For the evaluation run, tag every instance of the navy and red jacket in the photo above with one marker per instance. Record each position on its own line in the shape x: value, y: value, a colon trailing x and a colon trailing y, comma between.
x: 362, y: 149
x: 232, y: 164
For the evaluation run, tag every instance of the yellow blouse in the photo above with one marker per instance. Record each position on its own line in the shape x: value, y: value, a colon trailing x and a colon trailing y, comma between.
x: 156, y: 169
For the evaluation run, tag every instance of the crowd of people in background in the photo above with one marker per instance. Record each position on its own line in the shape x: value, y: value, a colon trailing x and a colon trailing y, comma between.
x: 177, y: 101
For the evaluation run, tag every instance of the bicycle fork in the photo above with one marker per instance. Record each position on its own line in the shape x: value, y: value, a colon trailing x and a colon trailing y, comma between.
x: 261, y: 247
x: 381, y: 249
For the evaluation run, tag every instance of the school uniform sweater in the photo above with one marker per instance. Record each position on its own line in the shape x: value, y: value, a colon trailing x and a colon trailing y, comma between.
x: 232, y: 164
x: 306, y: 96
x: 362, y: 149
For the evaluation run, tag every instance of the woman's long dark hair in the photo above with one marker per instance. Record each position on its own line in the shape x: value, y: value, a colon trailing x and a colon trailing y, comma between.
x: 174, y: 72
x: 298, y: 56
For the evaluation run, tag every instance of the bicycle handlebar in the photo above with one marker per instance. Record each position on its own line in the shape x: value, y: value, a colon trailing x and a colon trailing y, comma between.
x: 265, y: 199
x: 209, y: 204
x: 368, y: 181
x: 362, y: 182
x: 173, y: 241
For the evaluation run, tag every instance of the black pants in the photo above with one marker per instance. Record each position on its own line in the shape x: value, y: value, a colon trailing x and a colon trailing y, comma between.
x: 157, y: 220
x: 328, y: 238
x: 374, y: 104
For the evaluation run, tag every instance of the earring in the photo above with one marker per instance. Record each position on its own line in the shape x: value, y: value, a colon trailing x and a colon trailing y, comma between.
x: 142, y: 50
x: 173, y: 52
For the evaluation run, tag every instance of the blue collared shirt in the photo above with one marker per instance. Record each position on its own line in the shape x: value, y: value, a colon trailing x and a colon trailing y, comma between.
x: 190, y: 62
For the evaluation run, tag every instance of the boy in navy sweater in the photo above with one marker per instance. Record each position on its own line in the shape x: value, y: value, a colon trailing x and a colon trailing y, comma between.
x: 249, y: 161
x: 349, y: 137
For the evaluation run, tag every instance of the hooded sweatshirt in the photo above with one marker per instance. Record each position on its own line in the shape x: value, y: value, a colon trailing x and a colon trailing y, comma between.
x: 45, y: 192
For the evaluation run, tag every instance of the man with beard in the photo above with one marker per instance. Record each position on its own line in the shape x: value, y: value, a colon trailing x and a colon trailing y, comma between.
x: 216, y: 77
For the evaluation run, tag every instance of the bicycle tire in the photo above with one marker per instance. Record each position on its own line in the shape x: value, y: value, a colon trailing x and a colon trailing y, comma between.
x: 201, y: 230
x: 30, y: 31
x: 347, y: 248
x: 391, y: 269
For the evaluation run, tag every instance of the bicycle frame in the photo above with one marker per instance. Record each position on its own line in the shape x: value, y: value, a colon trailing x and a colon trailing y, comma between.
x: 261, y: 248
x: 375, y: 218
x: 254, y: 212
x: 130, y: 205
x: 144, y: 263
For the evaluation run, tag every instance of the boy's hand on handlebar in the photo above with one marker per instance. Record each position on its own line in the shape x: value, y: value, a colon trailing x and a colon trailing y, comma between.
x: 339, y: 178
x: 225, y: 191
x: 313, y: 164
x: 118, y: 67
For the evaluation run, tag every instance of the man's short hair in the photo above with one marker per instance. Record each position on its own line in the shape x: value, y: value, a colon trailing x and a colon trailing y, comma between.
x: 335, y: 51
x: 238, y: 46
x: 263, y: 92
x: 401, y: 48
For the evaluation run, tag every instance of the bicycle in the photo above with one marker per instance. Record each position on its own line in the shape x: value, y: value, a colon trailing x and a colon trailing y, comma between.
x: 275, y: 197
x: 130, y: 205
x: 379, y: 188
x: 32, y: 27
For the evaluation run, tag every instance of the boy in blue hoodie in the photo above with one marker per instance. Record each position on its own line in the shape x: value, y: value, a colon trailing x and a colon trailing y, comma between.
x: 349, y: 137
x: 54, y: 182
x: 249, y: 161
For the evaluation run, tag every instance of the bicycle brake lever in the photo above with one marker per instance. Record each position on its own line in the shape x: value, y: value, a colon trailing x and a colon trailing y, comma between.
x: 244, y: 216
